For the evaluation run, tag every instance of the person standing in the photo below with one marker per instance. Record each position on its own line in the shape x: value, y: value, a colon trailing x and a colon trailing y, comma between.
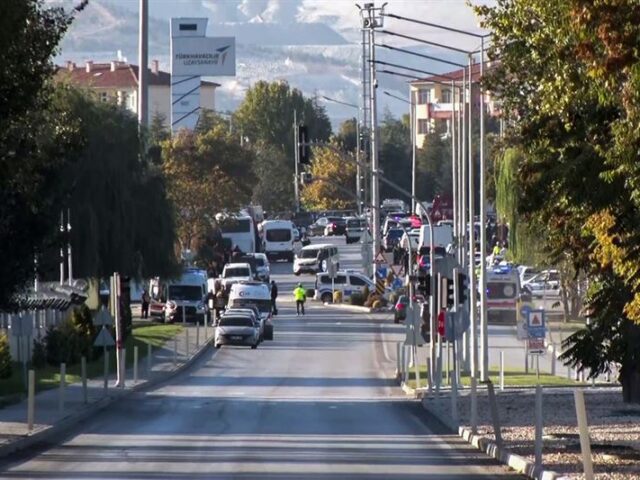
x: 274, y: 295
x: 144, y: 312
x: 300, y: 296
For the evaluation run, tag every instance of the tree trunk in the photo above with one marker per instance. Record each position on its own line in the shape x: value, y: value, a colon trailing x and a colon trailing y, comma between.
x: 630, y: 380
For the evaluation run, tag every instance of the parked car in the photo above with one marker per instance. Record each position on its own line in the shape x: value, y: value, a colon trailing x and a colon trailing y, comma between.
x: 400, y: 309
x: 336, y: 226
x: 262, y: 266
x: 546, y: 283
x: 346, y: 281
x: 253, y: 311
x: 354, y: 229
x: 237, y: 329
x: 234, y: 273
x: 317, y: 227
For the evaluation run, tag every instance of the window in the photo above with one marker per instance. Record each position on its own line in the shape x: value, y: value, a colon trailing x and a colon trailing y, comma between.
x: 237, y: 272
x: 185, y: 292
x: 446, y: 95
x: 235, y: 225
x: 424, y: 96
x: 104, y: 97
x: 423, y: 126
x: 357, y: 281
x: 278, y: 235
x: 235, y: 322
x: 341, y: 279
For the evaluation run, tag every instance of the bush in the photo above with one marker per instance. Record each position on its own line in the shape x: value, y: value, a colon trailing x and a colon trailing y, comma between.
x: 85, y: 329
x: 370, y: 299
x: 71, y: 339
x: 357, y: 299
x: 5, y: 357
x: 337, y: 297
x: 39, y: 353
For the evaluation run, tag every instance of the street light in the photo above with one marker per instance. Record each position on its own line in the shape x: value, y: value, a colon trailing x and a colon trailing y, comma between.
x: 358, y: 172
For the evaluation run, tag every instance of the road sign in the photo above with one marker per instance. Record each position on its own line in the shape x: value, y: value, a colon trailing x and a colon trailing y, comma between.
x: 381, y: 271
x: 103, y: 317
x: 104, y: 338
x: 380, y: 259
x: 536, y: 324
x: 535, y: 346
x: 398, y: 270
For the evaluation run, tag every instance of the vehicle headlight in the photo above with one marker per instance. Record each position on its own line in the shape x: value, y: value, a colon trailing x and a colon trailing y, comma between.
x: 172, y: 305
x: 200, y: 306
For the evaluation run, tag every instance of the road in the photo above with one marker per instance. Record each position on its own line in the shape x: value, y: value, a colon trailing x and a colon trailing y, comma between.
x: 316, y: 403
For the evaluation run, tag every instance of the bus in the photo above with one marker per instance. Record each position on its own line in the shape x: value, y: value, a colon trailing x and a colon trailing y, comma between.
x: 240, y: 231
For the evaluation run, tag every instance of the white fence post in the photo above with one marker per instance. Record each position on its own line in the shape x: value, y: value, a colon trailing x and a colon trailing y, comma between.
x: 539, y: 427
x: 63, y: 374
x: 583, y: 427
x: 31, y: 400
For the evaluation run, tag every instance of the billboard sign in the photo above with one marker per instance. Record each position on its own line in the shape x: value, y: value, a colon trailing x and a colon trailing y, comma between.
x: 203, y: 56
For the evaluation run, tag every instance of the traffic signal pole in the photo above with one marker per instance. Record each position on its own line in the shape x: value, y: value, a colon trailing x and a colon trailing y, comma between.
x: 296, y: 155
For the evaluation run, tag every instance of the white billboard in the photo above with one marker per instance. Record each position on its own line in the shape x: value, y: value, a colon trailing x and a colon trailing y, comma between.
x: 203, y: 56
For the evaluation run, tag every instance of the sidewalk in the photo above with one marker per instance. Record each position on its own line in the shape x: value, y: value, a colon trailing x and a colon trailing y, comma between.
x: 50, y: 419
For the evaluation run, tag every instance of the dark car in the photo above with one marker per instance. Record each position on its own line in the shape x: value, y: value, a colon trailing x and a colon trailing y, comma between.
x: 400, y: 309
x: 392, y: 238
x: 317, y: 227
x: 336, y: 226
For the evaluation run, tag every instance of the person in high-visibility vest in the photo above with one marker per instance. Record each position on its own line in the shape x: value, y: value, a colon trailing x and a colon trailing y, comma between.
x: 300, y: 295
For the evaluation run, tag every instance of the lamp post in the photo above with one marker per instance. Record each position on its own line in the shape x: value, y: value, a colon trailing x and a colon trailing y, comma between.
x: 359, y: 197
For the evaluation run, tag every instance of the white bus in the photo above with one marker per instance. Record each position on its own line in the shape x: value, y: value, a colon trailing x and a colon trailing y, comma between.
x: 277, y: 239
x: 240, y: 231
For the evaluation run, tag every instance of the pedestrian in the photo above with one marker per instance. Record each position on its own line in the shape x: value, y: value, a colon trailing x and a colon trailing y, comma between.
x: 144, y: 312
x: 236, y: 253
x: 274, y: 295
x: 300, y: 296
x: 211, y: 304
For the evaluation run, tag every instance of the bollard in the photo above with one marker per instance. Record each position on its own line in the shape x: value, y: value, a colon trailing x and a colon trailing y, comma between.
x: 526, y: 361
x: 184, y: 316
x: 175, y: 351
x: 398, y: 372
x: 186, y: 337
x: 106, y: 370
x: 123, y: 354
x: 474, y: 405
x: 553, y: 359
x: 197, y: 334
x: 83, y: 373
x: 204, y: 324
x: 31, y: 397
x: 583, y: 428
x: 568, y: 372
x: 539, y: 427
x: 63, y: 374
x: 493, y: 405
x: 135, y: 364
x: 501, y: 370
x: 538, y: 367
x: 415, y: 366
x: 149, y: 351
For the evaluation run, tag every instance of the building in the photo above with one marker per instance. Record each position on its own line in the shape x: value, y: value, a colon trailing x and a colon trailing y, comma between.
x: 117, y: 81
x: 434, y: 100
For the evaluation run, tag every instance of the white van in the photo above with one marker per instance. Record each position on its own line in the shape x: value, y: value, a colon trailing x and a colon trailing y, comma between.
x: 278, y: 238
x: 240, y: 231
x: 442, y: 236
x: 234, y: 273
x: 170, y: 298
x: 315, y: 258
x: 254, y: 294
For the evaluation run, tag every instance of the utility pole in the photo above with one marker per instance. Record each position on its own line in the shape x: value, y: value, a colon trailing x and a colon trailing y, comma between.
x: 413, y: 149
x: 143, y: 71
x: 366, y: 115
x: 484, y: 326
x: 296, y: 156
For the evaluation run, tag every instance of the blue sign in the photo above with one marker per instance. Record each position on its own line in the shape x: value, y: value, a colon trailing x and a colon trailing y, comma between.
x: 536, y: 323
x: 381, y: 272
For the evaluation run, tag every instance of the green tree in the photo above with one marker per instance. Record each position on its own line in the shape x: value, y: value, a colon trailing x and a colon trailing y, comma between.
x: 274, y: 173
x: 395, y: 153
x: 347, y: 136
x: 266, y: 114
x: 206, y: 173
x: 35, y: 139
x: 5, y: 356
x: 568, y: 82
x: 433, y: 166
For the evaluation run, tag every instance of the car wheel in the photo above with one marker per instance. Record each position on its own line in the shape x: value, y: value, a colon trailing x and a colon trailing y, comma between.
x: 396, y: 320
x: 253, y: 347
x: 326, y: 298
x: 218, y: 345
x: 297, y: 274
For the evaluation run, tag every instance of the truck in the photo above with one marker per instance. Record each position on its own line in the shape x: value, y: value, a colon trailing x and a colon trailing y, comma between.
x: 173, y: 298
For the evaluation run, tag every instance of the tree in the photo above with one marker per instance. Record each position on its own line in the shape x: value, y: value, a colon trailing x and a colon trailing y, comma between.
x: 395, y: 153
x: 433, y: 166
x: 206, y: 173
x: 347, y: 136
x: 333, y: 181
x: 35, y: 140
x: 274, y: 173
x: 266, y: 114
x: 568, y: 84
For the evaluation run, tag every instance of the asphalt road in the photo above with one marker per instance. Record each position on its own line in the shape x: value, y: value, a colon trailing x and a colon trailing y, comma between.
x: 316, y: 403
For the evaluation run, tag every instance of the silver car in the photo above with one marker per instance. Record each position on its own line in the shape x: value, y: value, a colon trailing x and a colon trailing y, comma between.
x: 237, y: 329
x: 253, y: 311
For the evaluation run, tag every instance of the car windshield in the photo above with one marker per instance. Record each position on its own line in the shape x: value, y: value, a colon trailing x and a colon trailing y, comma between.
x: 260, y: 261
x: 403, y: 299
x: 395, y: 233
x: 279, y: 235
x: 264, y: 306
x: 311, y: 253
x: 355, y: 223
x: 236, y: 322
x: 237, y: 272
x: 185, y: 292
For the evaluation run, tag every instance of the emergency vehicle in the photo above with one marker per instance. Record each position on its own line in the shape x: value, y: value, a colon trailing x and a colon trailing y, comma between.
x: 503, y: 291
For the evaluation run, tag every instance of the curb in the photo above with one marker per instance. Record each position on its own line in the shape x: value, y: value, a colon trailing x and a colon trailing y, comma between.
x: 516, y: 462
x: 356, y: 308
x: 67, y: 423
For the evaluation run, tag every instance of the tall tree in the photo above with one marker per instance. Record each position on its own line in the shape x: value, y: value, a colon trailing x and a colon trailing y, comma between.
x: 267, y: 111
x: 333, y: 181
x: 274, y: 173
x: 395, y: 153
x: 35, y: 139
x: 568, y: 82
x: 206, y: 173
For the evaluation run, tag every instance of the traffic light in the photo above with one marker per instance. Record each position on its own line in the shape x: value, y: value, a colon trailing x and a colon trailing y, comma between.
x: 304, y: 152
x: 450, y: 296
x: 424, y: 284
x: 463, y: 287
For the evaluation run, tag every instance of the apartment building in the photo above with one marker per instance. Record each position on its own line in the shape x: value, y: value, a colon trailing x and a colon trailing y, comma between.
x: 117, y: 81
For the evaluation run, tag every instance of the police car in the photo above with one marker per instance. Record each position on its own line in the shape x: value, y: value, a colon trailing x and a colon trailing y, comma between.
x: 346, y: 281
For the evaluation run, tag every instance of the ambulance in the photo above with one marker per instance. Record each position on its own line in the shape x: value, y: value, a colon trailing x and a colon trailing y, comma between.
x: 503, y: 292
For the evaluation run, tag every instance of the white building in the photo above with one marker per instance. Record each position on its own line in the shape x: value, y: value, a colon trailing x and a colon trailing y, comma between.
x: 117, y: 81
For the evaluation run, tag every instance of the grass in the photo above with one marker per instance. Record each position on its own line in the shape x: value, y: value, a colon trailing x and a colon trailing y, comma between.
x: 513, y: 377
x: 13, y: 388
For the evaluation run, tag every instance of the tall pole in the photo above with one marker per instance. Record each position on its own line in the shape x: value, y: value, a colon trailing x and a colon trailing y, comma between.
x: 296, y: 160
x: 472, y: 268
x: 358, y: 170
x: 454, y: 166
x: 61, y: 247
x: 69, y: 259
x: 143, y: 70
x: 375, y: 200
x: 484, y: 327
x: 414, y: 180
